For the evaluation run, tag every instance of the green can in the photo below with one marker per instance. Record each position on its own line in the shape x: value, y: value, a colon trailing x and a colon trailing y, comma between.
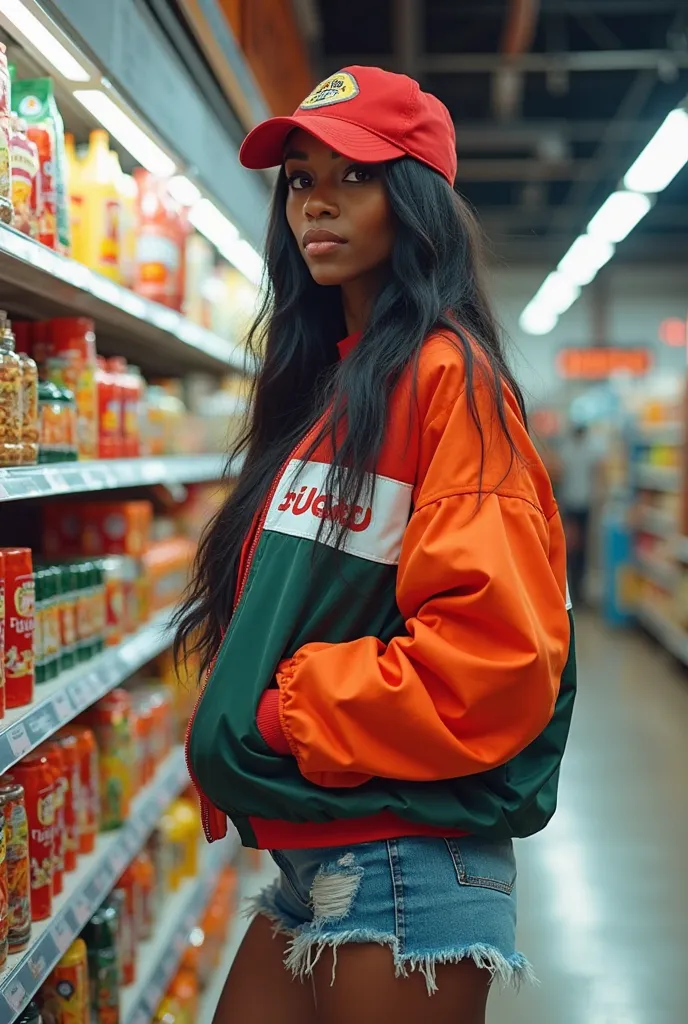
x: 100, y: 935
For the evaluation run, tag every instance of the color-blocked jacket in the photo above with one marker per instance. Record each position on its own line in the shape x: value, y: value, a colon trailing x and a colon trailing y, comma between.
x: 426, y: 672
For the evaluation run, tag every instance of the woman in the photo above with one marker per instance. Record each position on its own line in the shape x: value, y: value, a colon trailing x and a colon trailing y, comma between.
x: 381, y: 603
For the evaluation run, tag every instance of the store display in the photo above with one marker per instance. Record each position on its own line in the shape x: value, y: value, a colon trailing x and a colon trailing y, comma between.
x: 11, y: 397
x: 24, y: 165
x: 6, y: 212
x: 57, y: 762
x: 111, y: 721
x: 101, y: 208
x: 71, y: 364
x: 19, y: 625
x: 101, y: 936
x: 159, y: 265
x: 30, y: 421
x: 17, y: 864
x: 65, y: 994
x: 34, y: 101
x: 35, y: 776
x: 3, y: 698
x: 83, y: 811
x: 57, y: 424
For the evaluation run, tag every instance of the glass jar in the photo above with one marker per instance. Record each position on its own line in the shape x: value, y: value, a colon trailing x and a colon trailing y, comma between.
x: 11, y: 397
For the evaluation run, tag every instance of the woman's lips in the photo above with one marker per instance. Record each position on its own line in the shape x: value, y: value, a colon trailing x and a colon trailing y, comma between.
x: 322, y: 248
x: 321, y: 242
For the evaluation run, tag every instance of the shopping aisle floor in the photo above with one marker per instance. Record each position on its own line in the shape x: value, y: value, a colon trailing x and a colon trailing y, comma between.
x: 603, y: 899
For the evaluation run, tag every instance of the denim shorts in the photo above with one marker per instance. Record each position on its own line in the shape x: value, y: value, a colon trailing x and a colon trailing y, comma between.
x: 432, y: 901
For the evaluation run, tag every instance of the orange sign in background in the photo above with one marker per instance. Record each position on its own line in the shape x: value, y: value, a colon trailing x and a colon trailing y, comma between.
x: 269, y: 36
x: 600, y: 363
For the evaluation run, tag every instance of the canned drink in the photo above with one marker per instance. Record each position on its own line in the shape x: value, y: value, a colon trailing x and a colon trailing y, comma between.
x: 103, y: 965
x: 111, y: 721
x: 12, y: 804
x: 36, y: 776
x: 74, y: 811
x: 19, y: 625
x: 87, y: 805
x: 4, y: 896
x: 58, y: 764
x: 2, y: 634
x: 65, y: 991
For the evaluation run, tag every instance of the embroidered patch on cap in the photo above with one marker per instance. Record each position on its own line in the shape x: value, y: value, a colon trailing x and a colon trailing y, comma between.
x: 337, y: 89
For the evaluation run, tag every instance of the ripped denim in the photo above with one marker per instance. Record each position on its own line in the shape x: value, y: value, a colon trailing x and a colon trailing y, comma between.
x: 432, y: 901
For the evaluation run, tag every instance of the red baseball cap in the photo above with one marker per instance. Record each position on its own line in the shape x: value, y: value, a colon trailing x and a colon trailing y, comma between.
x: 366, y: 114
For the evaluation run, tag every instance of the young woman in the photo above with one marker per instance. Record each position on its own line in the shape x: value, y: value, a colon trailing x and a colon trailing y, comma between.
x: 380, y: 606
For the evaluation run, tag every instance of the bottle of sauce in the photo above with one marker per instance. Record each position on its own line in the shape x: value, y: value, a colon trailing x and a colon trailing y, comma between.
x: 102, y: 208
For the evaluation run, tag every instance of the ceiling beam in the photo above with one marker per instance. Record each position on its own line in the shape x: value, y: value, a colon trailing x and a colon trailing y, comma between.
x: 505, y: 220
x: 528, y: 134
x: 626, y: 8
x: 525, y: 170
x: 407, y: 33
x: 529, y: 63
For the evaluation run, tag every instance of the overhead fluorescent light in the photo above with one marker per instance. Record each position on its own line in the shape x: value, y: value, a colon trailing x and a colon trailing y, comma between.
x: 663, y: 157
x: 585, y: 258
x: 617, y: 217
x: 536, y: 319
x: 42, y: 40
x: 244, y: 257
x: 557, y: 293
x: 207, y: 219
x: 183, y: 190
x: 140, y: 145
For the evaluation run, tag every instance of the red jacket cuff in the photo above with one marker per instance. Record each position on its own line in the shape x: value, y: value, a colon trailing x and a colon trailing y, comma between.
x: 269, y: 724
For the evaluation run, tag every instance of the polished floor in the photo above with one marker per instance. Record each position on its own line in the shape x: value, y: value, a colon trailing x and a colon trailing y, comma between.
x: 603, y: 893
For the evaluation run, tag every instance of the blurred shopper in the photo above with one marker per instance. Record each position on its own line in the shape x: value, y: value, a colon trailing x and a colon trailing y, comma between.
x: 380, y: 604
x: 579, y: 461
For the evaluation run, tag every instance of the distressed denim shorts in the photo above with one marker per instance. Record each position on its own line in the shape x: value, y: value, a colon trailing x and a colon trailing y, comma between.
x: 432, y: 901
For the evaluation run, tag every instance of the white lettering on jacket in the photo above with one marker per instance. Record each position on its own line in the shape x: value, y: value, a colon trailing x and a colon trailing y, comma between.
x: 375, y: 531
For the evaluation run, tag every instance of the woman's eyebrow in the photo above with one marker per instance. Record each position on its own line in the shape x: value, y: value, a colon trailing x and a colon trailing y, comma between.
x: 295, y: 154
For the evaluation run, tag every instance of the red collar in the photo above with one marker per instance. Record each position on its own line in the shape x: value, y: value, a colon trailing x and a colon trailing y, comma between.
x: 347, y: 345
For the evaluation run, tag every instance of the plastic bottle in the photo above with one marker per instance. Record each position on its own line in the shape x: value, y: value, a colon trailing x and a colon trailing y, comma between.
x: 11, y: 397
x: 25, y: 164
x: 159, y: 254
x: 128, y: 241
x: 76, y: 200
x: 102, y: 208
x: 110, y: 412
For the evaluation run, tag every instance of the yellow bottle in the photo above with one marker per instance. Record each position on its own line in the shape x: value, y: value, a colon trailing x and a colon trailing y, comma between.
x: 128, y: 194
x: 102, y: 208
x: 76, y: 201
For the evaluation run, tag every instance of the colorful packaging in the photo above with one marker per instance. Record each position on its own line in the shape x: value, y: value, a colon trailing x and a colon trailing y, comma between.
x: 5, y: 135
x: 77, y: 225
x: 66, y: 595
x: 35, y: 775
x: 19, y: 623
x: 75, y: 799
x: 46, y: 625
x: 65, y: 993
x: 2, y: 634
x: 98, y: 528
x: 132, y: 921
x: 184, y: 989
x: 29, y: 368
x: 101, y: 207
x: 34, y: 101
x: 110, y: 719
x: 110, y: 412
x: 100, y: 935
x: 4, y: 896
x: 71, y: 364
x: 25, y: 165
x: 11, y: 396
x: 13, y: 809
x: 145, y: 874
x: 158, y: 272
x: 87, y: 785
x: 58, y: 764
x: 57, y: 424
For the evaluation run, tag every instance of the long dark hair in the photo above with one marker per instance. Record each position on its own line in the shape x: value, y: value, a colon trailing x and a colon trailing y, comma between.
x: 433, y: 284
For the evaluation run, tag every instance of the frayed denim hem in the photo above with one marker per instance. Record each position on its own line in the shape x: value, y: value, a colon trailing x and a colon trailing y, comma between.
x: 265, y: 905
x: 306, y: 947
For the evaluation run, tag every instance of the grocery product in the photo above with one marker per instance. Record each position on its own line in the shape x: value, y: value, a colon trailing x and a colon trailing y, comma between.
x: 34, y: 101
x: 2, y: 635
x: 58, y: 765
x: 13, y: 807
x: 65, y: 993
x: 101, y: 207
x: 4, y: 896
x: 126, y: 943
x: 74, y: 797
x: 169, y: 1012
x: 31, y: 1015
x: 184, y: 989
x: 5, y: 131
x: 180, y: 828
x: 110, y: 411
x: 11, y: 397
x: 71, y: 364
x: 158, y: 272
x: 30, y: 426
x: 134, y: 401
x: 35, y: 775
x: 145, y: 874
x: 24, y: 166
x: 128, y: 235
x: 98, y: 528
x: 100, y: 935
x: 57, y: 423
x: 86, y: 784
x: 46, y: 644
x: 86, y: 641
x: 131, y: 921
x: 110, y: 719
x: 77, y: 225
x: 66, y: 596
x: 166, y: 568
x: 19, y: 622
x: 199, y: 269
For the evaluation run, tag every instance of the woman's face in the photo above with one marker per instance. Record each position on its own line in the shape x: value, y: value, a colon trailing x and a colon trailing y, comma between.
x: 338, y: 211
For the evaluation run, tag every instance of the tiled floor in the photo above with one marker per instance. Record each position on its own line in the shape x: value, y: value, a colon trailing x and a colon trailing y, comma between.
x: 603, y: 891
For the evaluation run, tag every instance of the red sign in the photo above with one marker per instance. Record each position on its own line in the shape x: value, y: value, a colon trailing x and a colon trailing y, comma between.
x: 600, y: 363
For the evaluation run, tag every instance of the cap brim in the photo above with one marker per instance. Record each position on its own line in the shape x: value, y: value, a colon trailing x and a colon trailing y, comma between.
x: 264, y: 146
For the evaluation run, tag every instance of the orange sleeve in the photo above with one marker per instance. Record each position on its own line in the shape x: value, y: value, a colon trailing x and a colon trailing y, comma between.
x: 475, y: 677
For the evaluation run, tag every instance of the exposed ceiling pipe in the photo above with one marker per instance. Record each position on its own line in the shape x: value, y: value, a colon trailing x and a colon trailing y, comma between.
x: 517, y: 39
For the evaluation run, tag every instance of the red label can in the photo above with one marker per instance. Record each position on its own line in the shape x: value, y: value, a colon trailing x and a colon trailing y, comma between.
x: 87, y: 806
x: 19, y: 625
x: 2, y: 634
x: 4, y: 895
x: 58, y: 764
x: 74, y: 801
x: 17, y: 859
x: 36, y: 776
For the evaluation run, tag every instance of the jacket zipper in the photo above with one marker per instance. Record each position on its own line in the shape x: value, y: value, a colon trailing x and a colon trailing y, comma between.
x: 204, y: 802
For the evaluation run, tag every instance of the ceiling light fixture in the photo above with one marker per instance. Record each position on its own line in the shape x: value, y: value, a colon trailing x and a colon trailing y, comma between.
x: 663, y: 157
x: 617, y: 217
x: 183, y: 190
x: 584, y: 259
x: 134, y: 139
x: 42, y: 39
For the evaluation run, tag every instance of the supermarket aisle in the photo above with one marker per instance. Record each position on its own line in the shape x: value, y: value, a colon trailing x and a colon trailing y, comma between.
x: 603, y: 899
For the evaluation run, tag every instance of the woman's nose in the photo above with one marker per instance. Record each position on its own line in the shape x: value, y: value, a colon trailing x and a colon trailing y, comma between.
x: 318, y: 205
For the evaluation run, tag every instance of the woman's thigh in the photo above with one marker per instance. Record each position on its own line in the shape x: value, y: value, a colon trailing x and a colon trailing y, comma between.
x: 259, y: 989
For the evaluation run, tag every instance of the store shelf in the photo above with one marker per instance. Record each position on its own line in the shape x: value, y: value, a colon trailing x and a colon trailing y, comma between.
x: 670, y: 636
x: 157, y: 960
x: 669, y: 435
x: 664, y: 576
x: 658, y: 478
x: 34, y: 281
x: 62, y: 699
x: 656, y: 523
x: 86, y: 888
x: 106, y: 475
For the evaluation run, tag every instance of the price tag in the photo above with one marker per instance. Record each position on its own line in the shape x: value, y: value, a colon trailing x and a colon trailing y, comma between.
x: 80, y: 693
x: 62, y: 935
x: 18, y: 739
x: 15, y: 995
x: 37, y: 967
x: 83, y: 909
x: 119, y: 860
x: 63, y: 706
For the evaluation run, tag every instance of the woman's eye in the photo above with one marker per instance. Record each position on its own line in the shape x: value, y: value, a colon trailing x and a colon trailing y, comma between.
x: 299, y: 181
x: 358, y: 174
